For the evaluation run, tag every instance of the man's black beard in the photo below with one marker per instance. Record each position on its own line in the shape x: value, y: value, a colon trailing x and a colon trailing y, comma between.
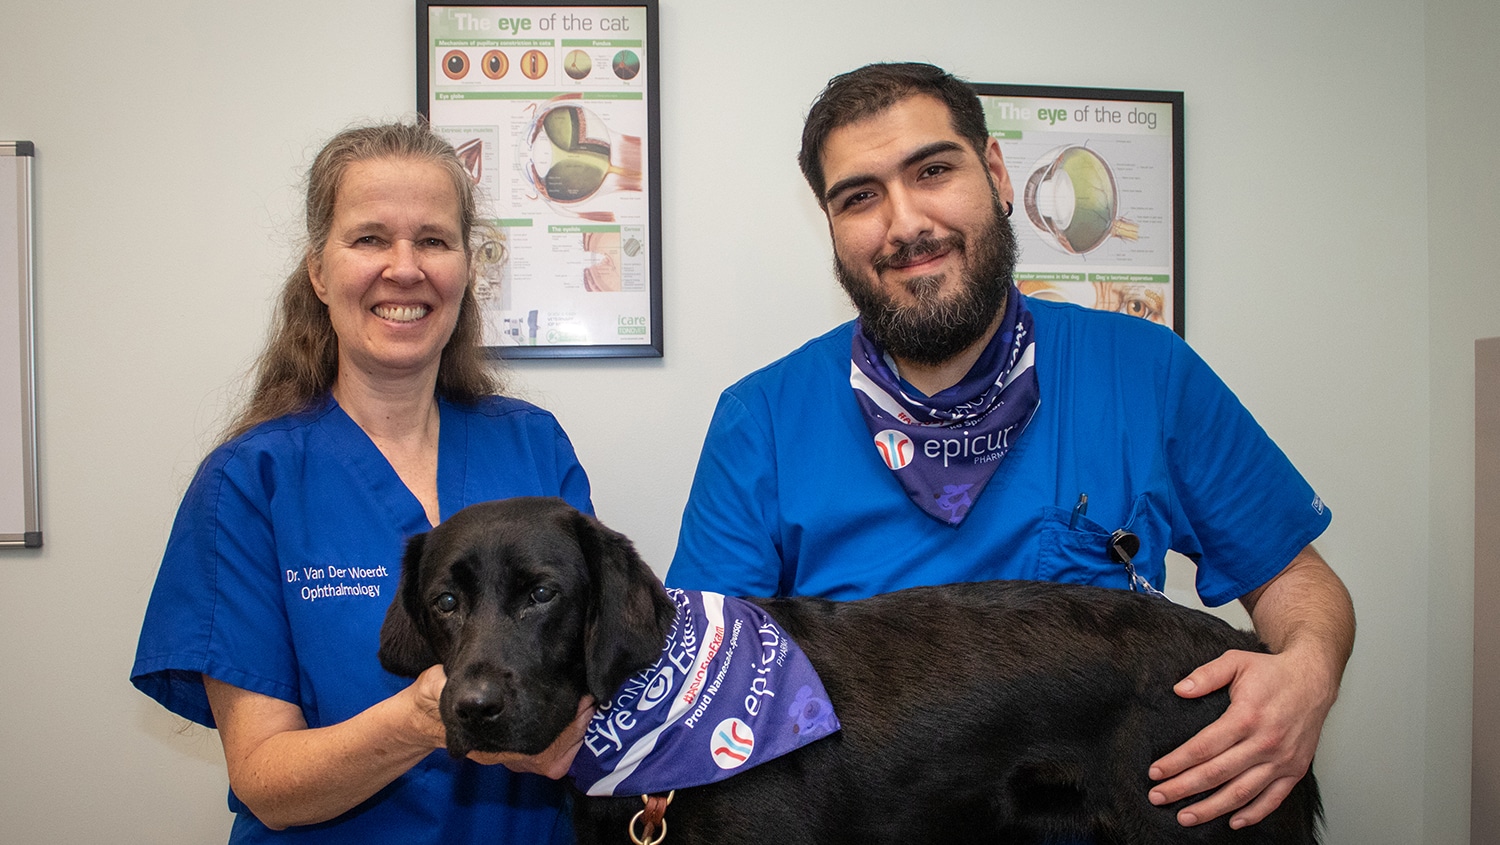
x: 930, y: 332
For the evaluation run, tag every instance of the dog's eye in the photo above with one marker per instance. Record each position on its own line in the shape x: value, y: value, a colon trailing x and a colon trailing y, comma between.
x: 542, y: 595
x: 446, y: 603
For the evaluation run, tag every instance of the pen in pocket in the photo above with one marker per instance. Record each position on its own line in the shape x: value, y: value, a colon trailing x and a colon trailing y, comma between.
x: 1079, y: 509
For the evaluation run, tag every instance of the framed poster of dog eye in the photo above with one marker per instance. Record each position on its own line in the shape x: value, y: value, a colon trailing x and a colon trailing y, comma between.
x: 553, y: 110
x: 1097, y: 175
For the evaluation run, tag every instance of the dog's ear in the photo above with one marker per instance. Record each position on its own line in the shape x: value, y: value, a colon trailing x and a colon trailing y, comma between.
x: 629, y: 613
x: 403, y: 648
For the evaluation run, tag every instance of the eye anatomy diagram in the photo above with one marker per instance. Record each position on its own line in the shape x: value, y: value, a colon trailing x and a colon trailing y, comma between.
x: 471, y: 154
x: 626, y: 64
x: 1072, y: 200
x: 551, y: 111
x: 456, y: 64
x: 571, y: 157
x: 578, y: 64
x: 494, y: 64
x: 602, y: 270
x: 1097, y: 191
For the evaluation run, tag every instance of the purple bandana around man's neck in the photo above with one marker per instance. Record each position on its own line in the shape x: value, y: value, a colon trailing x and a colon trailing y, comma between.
x: 730, y: 691
x: 944, y: 448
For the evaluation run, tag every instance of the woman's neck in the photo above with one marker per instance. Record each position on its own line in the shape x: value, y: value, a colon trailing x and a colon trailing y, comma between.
x: 402, y: 420
x: 386, y: 408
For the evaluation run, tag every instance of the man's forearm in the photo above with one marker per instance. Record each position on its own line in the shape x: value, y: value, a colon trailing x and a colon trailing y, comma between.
x: 1306, y: 609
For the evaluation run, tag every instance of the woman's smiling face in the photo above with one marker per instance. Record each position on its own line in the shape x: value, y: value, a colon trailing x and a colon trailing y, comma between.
x: 394, y: 267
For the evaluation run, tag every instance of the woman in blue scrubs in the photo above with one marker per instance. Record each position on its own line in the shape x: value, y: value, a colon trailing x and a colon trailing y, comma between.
x: 375, y: 415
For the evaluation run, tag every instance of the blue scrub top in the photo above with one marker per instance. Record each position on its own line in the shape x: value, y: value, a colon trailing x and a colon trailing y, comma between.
x: 792, y: 498
x: 283, y: 559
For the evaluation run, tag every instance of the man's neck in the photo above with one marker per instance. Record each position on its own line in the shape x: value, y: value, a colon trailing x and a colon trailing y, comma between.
x: 932, y: 379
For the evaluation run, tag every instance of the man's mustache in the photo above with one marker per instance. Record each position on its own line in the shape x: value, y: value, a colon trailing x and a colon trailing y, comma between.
x: 919, y: 249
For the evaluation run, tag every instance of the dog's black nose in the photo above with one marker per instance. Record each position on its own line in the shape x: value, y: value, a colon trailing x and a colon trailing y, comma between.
x: 479, y: 703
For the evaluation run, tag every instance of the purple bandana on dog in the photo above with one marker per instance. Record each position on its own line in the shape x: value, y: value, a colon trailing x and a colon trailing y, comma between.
x: 730, y: 691
x: 944, y: 448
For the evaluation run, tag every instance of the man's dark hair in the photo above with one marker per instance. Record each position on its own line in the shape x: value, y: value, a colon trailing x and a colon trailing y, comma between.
x: 867, y: 91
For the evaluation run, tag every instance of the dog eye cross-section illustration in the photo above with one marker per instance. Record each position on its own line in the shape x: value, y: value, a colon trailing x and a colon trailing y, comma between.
x: 1072, y: 200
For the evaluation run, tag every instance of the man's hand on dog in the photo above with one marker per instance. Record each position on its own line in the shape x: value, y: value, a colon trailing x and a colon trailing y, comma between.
x: 1257, y: 751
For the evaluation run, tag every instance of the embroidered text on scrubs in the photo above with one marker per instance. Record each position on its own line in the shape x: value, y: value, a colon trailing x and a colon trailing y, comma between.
x: 330, y: 590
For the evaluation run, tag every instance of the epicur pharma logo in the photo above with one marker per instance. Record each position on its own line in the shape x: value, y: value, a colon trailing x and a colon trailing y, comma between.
x: 895, y: 448
x: 732, y: 743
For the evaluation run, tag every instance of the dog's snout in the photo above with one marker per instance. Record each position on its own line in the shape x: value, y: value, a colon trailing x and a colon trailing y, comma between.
x: 480, y: 702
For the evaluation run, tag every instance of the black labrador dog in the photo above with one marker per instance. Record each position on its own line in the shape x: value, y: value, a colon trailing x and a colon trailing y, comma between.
x: 1009, y: 712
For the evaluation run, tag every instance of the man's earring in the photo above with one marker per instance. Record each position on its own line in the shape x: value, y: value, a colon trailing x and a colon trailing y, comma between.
x: 1009, y: 207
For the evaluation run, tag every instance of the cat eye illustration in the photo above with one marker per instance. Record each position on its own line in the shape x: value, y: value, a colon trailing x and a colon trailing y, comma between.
x: 494, y: 64
x: 601, y: 271
x: 571, y: 158
x: 456, y: 64
x: 577, y: 64
x: 533, y: 64
x: 490, y: 259
x: 471, y: 155
x: 493, y: 252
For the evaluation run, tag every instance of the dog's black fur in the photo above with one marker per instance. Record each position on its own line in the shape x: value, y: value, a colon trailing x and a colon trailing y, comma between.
x: 991, y: 712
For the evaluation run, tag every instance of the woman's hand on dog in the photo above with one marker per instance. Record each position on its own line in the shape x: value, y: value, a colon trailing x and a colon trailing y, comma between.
x: 553, y: 762
x: 557, y: 759
x: 426, y: 692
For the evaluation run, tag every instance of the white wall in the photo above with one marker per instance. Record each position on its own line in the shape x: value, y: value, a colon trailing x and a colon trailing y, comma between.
x: 1339, y: 206
x: 1464, y: 301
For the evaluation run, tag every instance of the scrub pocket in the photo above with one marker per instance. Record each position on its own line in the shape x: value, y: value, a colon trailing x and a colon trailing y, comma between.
x: 1080, y: 555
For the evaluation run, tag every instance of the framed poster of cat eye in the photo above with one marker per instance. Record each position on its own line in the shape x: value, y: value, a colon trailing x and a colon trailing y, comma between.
x: 1097, y: 174
x: 553, y: 109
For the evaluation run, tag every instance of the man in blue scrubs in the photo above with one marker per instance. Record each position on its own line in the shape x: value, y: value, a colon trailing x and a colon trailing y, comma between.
x: 959, y: 431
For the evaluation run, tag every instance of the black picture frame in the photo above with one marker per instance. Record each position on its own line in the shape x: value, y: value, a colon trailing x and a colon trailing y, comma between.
x: 555, y: 109
x: 1098, y: 179
x: 20, y: 499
